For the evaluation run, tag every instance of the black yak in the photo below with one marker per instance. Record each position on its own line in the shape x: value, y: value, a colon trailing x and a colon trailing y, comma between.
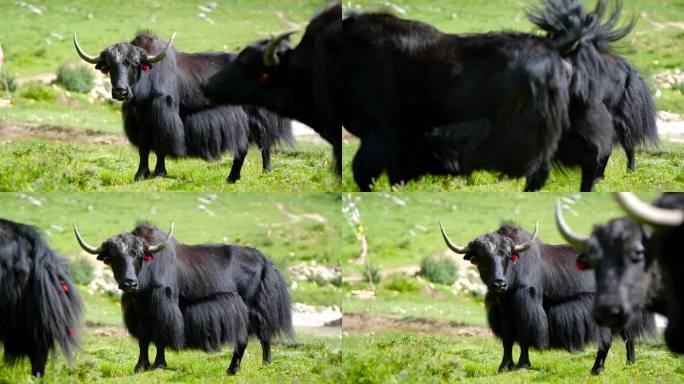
x: 628, y: 282
x: 423, y: 101
x: 538, y: 298
x: 609, y: 100
x: 637, y: 265
x: 194, y: 296
x: 302, y: 83
x: 40, y: 308
x: 165, y: 111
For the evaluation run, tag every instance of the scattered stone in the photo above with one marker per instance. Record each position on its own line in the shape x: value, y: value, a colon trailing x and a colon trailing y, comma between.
x: 307, y: 271
x: 304, y: 315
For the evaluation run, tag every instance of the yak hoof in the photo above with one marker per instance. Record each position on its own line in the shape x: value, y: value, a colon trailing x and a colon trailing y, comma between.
x: 505, y: 367
x: 141, y: 175
x: 596, y: 370
x: 160, y: 174
x: 233, y: 370
x: 161, y: 365
x: 523, y: 366
x: 232, y: 179
x: 141, y: 367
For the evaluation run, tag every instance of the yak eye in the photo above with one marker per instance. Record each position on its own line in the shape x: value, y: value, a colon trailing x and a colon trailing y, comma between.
x: 637, y: 255
x: 583, y: 262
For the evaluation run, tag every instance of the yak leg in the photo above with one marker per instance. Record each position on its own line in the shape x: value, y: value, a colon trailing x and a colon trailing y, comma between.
x: 266, y: 350
x: 507, y: 360
x: 629, y: 346
x: 143, y: 166
x: 524, y: 360
x: 160, y: 359
x: 235, y: 169
x: 143, y: 359
x: 38, y: 360
x: 266, y: 158
x: 537, y: 180
x: 238, y: 352
x: 160, y: 168
x: 600, y: 357
x: 337, y: 157
x: 369, y: 161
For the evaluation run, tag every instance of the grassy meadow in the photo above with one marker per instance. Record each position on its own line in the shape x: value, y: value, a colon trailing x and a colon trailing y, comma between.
x: 36, y: 43
x: 656, y: 45
x: 434, y: 334
x: 288, y: 228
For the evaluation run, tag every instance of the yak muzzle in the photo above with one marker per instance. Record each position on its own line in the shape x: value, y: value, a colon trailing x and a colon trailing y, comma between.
x: 129, y: 285
x: 500, y: 285
x: 121, y: 94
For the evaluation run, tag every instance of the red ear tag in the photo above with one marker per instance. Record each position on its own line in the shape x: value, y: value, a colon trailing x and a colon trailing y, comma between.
x: 104, y: 70
x: 146, y: 67
x: 147, y: 258
x: 65, y: 287
x: 581, y: 266
x: 69, y: 332
x: 264, y: 79
x: 514, y: 257
x: 474, y: 261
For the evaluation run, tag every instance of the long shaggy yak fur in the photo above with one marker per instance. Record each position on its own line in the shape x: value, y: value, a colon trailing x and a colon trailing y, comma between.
x: 184, y: 123
x: 427, y: 102
x: 40, y: 308
x: 549, y: 302
x: 599, y: 74
x: 203, y: 296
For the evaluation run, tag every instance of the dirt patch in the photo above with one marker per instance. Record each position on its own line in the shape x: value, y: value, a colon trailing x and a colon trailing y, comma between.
x: 106, y: 330
x: 364, y: 323
x: 14, y: 131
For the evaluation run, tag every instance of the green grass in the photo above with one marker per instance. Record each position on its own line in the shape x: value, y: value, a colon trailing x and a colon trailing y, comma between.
x: 110, y: 359
x: 44, y: 165
x: 245, y: 218
x: 400, y: 357
x: 657, y: 169
x: 438, y: 303
x: 31, y: 47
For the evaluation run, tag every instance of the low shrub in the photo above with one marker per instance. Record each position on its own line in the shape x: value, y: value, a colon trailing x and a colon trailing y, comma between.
x: 399, y: 282
x: 440, y: 270
x: 81, y: 271
x: 75, y: 77
x: 36, y: 91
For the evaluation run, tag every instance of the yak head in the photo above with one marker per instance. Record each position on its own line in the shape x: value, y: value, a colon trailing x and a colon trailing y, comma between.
x: 492, y: 253
x: 616, y: 252
x: 255, y: 76
x: 125, y: 254
x: 666, y: 219
x: 124, y: 62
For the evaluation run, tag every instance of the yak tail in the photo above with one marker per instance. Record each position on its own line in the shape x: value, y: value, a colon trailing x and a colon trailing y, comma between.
x: 49, y: 313
x: 273, y: 306
x: 267, y: 129
x: 568, y: 23
x: 634, y: 116
x: 217, y: 321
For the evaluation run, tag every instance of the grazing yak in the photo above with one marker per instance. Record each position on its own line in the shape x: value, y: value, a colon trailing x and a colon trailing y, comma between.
x: 636, y: 262
x: 165, y: 111
x: 423, y: 101
x: 537, y: 297
x: 302, y: 83
x: 194, y: 296
x: 609, y: 100
x: 40, y: 308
